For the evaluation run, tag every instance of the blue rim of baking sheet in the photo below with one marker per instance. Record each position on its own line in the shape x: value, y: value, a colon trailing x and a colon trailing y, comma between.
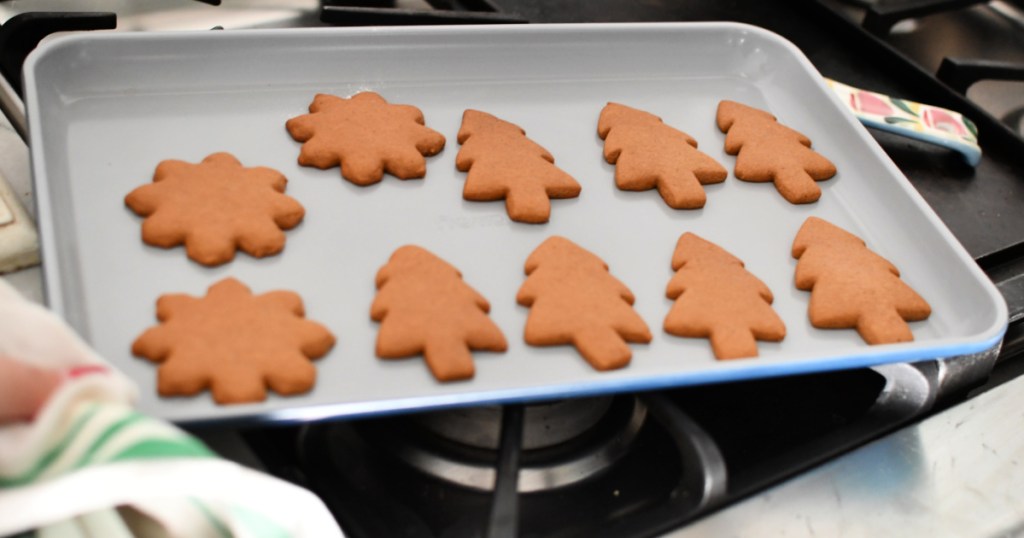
x: 619, y: 385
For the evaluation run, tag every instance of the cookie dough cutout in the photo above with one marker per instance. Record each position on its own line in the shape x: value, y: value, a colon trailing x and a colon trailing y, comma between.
x: 233, y: 343
x: 215, y: 208
x: 852, y: 287
x: 425, y: 308
x: 717, y: 298
x: 504, y: 164
x: 573, y: 299
x: 367, y: 136
x: 648, y: 154
x: 769, y: 151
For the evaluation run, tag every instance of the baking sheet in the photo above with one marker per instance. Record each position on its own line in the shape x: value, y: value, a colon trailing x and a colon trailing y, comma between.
x: 105, y: 109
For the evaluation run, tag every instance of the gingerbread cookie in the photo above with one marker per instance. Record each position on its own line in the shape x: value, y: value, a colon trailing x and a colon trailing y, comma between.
x: 648, y: 154
x: 769, y: 151
x: 573, y: 299
x: 234, y: 343
x: 367, y: 136
x: 852, y: 287
x: 214, y: 208
x: 425, y: 308
x: 717, y: 298
x: 503, y: 163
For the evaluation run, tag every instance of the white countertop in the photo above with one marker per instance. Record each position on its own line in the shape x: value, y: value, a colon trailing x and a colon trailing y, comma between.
x: 957, y: 473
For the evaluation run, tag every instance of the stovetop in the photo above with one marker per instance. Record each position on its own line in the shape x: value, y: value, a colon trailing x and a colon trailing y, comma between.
x: 693, y: 451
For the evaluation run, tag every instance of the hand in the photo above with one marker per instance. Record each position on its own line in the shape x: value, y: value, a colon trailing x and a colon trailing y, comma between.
x: 24, y: 389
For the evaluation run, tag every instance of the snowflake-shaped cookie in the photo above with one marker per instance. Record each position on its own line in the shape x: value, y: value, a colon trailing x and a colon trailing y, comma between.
x: 367, y: 136
x: 216, y: 207
x: 234, y: 343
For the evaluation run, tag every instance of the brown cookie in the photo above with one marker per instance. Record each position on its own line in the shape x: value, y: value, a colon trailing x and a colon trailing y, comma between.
x: 214, y: 208
x: 852, y: 287
x: 717, y: 298
x: 367, y: 136
x: 769, y: 151
x: 234, y: 343
x: 503, y: 163
x: 648, y: 154
x: 425, y: 308
x: 573, y: 299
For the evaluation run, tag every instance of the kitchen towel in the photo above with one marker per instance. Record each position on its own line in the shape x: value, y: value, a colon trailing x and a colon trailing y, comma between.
x: 88, y: 465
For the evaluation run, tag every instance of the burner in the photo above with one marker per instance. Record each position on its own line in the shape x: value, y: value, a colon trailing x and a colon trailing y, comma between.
x: 406, y: 475
x: 564, y: 442
x: 629, y: 465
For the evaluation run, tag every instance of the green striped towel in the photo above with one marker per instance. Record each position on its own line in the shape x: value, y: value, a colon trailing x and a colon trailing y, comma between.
x: 89, y: 466
x: 107, y: 456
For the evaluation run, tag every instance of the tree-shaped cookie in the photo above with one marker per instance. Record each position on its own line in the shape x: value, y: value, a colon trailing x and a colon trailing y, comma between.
x: 648, y: 154
x: 573, y: 299
x: 769, y: 151
x: 717, y: 298
x: 234, y: 343
x: 367, y: 136
x: 214, y: 208
x: 425, y: 308
x: 504, y: 164
x: 852, y: 287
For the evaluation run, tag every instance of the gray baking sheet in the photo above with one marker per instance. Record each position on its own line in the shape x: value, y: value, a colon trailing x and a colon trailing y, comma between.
x: 105, y: 109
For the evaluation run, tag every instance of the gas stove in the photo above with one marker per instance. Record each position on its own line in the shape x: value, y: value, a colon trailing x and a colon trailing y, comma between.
x: 673, y: 461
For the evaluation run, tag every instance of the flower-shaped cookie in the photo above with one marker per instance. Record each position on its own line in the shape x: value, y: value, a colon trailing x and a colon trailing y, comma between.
x: 216, y: 207
x: 367, y: 136
x: 234, y: 343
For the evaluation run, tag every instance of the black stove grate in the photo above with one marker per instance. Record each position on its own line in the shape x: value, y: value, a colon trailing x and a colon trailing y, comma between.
x: 386, y: 13
x: 20, y: 35
x: 961, y: 73
x: 881, y: 17
x: 977, y: 204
